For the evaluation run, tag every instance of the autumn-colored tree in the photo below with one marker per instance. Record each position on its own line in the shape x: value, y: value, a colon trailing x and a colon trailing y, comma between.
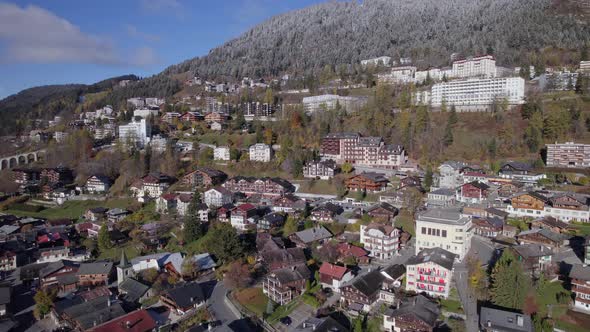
x: 269, y: 136
x: 346, y: 168
x: 238, y: 275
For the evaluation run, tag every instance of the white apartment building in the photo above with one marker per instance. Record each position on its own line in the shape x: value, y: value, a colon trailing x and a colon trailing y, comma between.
x: 145, y: 113
x: 402, y: 74
x: 329, y: 102
x: 585, y: 66
x: 444, y: 228
x: 568, y: 154
x: 435, y: 74
x: 382, y: 60
x: 484, y: 66
x: 430, y: 271
x: 478, y: 94
x: 382, y: 241
x: 221, y: 153
x: 260, y: 152
x: 450, y: 174
x: 218, y: 196
x: 136, y: 132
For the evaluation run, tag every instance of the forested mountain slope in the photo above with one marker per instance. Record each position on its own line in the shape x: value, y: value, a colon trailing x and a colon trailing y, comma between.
x: 346, y: 32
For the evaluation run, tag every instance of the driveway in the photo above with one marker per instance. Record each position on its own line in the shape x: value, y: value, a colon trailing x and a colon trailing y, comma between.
x: 225, y: 318
x: 299, y: 315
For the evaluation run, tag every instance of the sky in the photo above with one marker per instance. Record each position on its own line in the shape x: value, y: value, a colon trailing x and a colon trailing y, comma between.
x: 68, y: 41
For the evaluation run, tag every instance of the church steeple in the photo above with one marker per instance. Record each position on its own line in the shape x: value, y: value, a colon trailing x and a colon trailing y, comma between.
x: 124, y: 269
x: 124, y: 262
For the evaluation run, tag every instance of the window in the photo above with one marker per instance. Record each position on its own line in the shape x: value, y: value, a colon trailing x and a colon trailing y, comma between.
x: 423, y: 230
x: 444, y: 233
x: 438, y: 232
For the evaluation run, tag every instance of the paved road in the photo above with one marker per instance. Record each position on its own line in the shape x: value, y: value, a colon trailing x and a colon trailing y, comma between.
x: 223, y: 314
x: 467, y: 298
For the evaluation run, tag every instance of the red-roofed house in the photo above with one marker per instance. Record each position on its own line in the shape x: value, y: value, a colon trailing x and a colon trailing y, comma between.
x: 135, y: 321
x: 348, y: 250
x: 333, y: 276
x: 166, y: 203
x: 242, y: 218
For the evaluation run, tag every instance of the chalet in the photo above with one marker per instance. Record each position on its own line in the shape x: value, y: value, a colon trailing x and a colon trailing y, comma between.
x: 204, y: 177
x: 381, y: 240
x: 535, y: 258
x: 542, y: 236
x: 217, y: 197
x: 509, y: 189
x: 521, y: 172
x: 324, y: 170
x: 368, y: 182
x: 272, y: 220
x: 151, y: 186
x: 94, y: 274
x: 320, y: 324
x: 550, y: 223
x: 57, y: 175
x: 487, y: 226
x: 288, y: 203
x: 470, y: 176
x: 95, y: 214
x: 217, y: 126
x: 166, y: 203
x: 215, y: 117
x: 242, y: 218
x: 136, y: 321
x: 430, y: 271
x: 416, y: 313
x: 284, y: 285
x: 383, y: 211
x: 192, y: 117
x: 580, y: 280
x: 410, y: 181
x: 26, y: 176
x: 281, y: 258
x: 497, y: 320
x: 224, y: 212
x: 306, y: 237
x: 268, y: 187
x: 334, y: 276
x: 473, y: 192
x: 98, y: 184
x: 133, y: 291
x: 117, y: 214
x: 54, y: 273
x: 81, y: 315
x: 346, y: 250
x: 569, y: 207
x: 362, y: 293
x: 183, y: 298
x: 529, y: 204
x: 326, y: 212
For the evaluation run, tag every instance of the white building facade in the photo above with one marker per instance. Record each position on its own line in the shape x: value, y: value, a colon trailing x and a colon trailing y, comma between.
x: 221, y: 153
x: 260, y: 152
x: 136, y: 132
x: 446, y: 229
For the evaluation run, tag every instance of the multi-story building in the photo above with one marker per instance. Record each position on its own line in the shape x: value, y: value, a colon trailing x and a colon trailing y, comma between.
x: 217, y: 196
x: 330, y: 102
x: 151, y: 186
x: 367, y: 182
x: 473, y: 192
x: 562, y: 206
x: 580, y: 279
x: 204, y: 177
x: 260, y: 152
x: 416, y: 313
x: 221, y: 153
x: 98, y: 184
x: 324, y: 170
x: 242, y: 217
x: 94, y: 274
x: 379, y: 61
x: 263, y: 186
x: 568, y: 154
x: 401, y: 74
x: 381, y: 240
x: 334, y: 276
x: 478, y: 94
x: 444, y: 228
x: 430, y: 271
x: 450, y: 174
x: 284, y: 285
x: 135, y: 133
x: 363, y: 151
x: 483, y: 66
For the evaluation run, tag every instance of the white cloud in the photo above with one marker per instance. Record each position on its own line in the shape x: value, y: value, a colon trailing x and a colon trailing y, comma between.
x: 33, y: 34
x: 132, y: 31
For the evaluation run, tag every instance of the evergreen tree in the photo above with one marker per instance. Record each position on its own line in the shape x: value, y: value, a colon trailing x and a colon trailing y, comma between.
x: 193, y: 228
x: 448, y: 138
x: 510, y: 285
x: 453, y: 119
x: 428, y: 178
x: 104, y: 238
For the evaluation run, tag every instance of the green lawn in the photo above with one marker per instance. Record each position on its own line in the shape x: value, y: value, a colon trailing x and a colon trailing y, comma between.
x: 451, y: 306
x: 253, y: 299
x: 282, y: 311
x: 114, y: 253
x: 72, y: 209
x: 321, y: 187
x: 582, y: 229
x: 569, y: 327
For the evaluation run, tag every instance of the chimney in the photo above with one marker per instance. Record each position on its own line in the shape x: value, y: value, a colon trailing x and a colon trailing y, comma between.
x: 519, y: 320
x: 489, y: 323
x: 108, y: 302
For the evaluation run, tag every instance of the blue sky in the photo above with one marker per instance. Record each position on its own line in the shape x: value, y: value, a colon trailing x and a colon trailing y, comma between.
x: 67, y: 41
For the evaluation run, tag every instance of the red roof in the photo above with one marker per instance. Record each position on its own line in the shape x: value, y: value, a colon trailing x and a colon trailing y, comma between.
x: 135, y: 321
x: 246, y: 207
x: 348, y: 249
x: 334, y: 271
x: 168, y: 197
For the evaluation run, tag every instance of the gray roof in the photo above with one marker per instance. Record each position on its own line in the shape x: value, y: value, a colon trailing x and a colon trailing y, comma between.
x: 437, y: 255
x: 313, y: 234
x: 133, y: 289
x: 580, y: 272
x: 4, y: 295
x: 444, y: 191
x: 95, y: 268
x: 444, y: 216
x: 325, y: 324
x: 95, y: 311
x: 505, y: 321
x: 8, y: 229
x: 555, y: 237
x: 368, y: 283
x: 204, y: 261
x: 290, y: 274
x: 420, y: 307
x: 186, y: 295
x: 533, y: 250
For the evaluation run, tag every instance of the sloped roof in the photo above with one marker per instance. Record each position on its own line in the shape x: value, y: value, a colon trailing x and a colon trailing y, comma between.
x: 419, y: 307
x: 394, y: 271
x: 436, y: 255
x: 555, y: 237
x: 580, y: 272
x: 135, y: 321
x: 313, y: 234
x: 186, y: 295
x: 134, y: 289
x: 95, y: 268
x: 503, y: 320
x: 290, y: 274
x: 334, y: 271
x: 368, y: 283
